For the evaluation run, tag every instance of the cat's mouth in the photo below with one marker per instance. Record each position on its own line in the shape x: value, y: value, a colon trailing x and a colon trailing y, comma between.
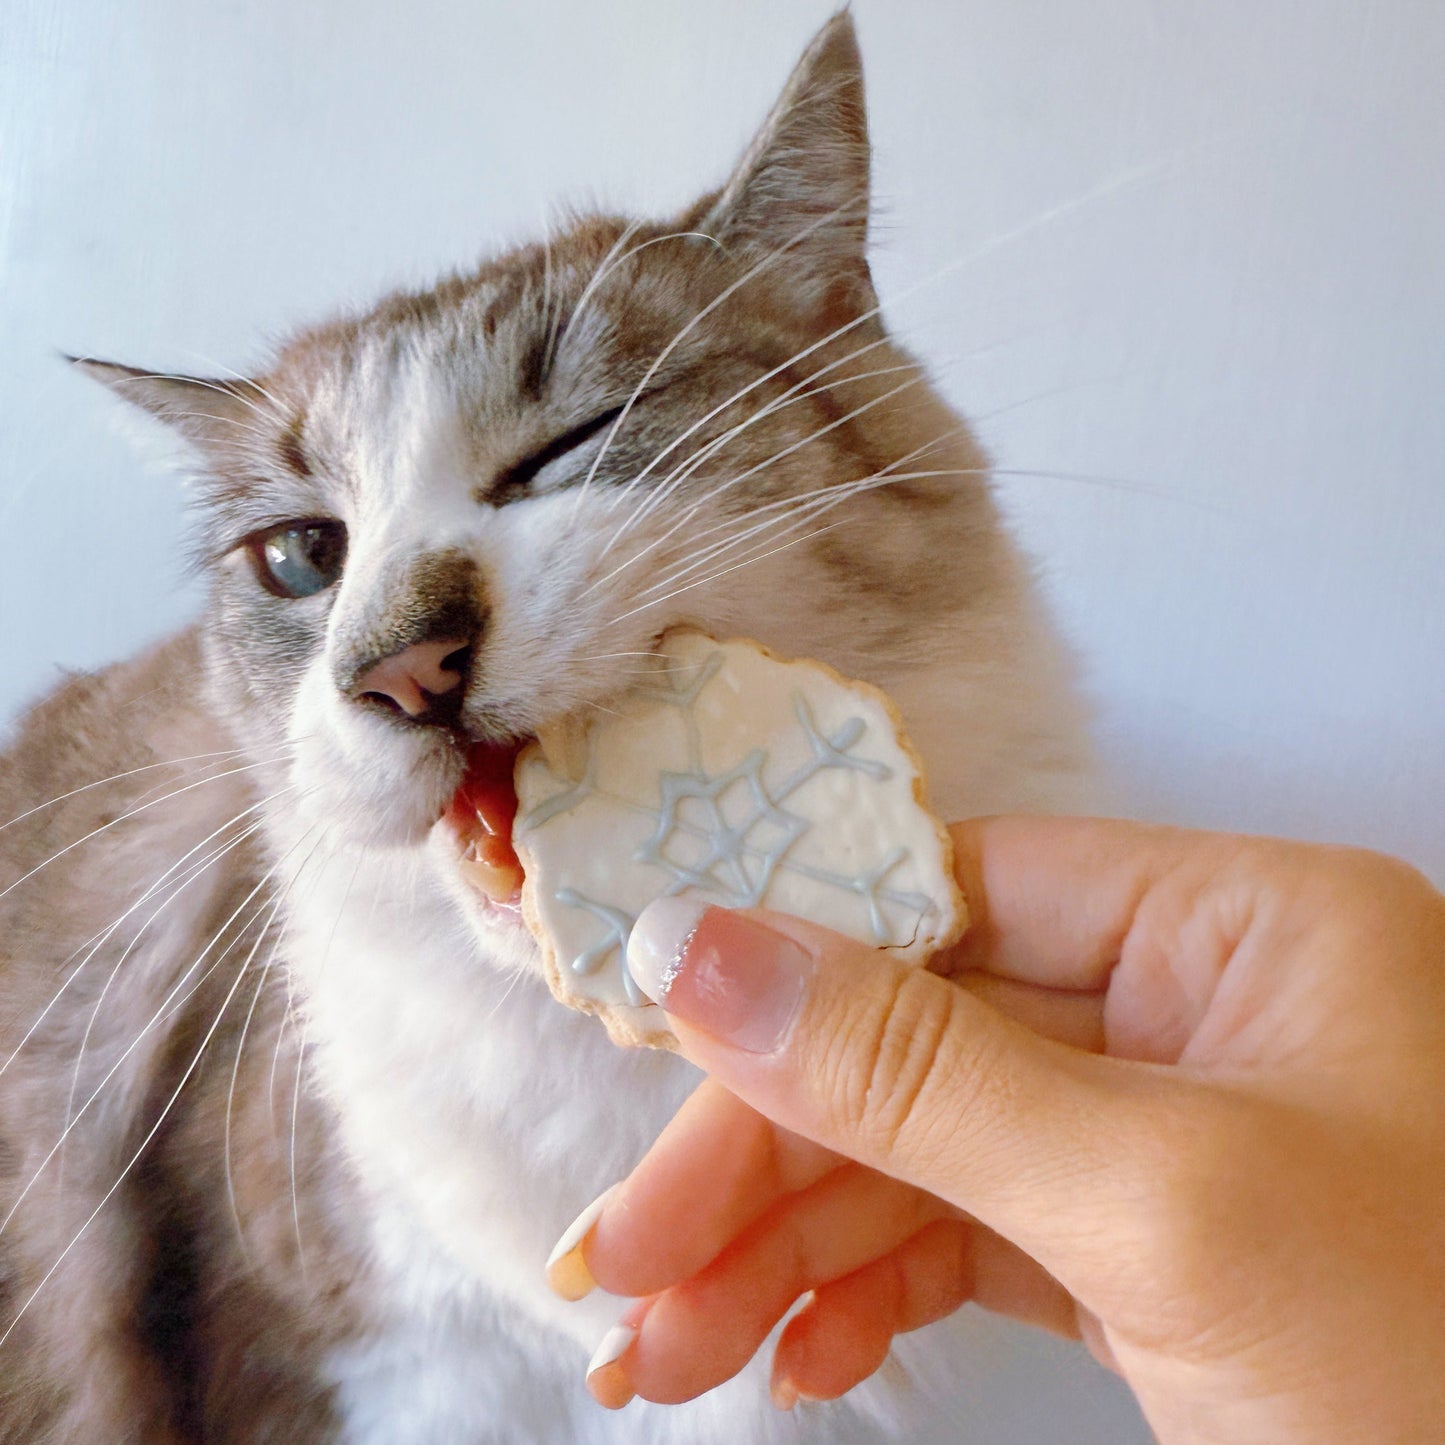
x: 480, y: 817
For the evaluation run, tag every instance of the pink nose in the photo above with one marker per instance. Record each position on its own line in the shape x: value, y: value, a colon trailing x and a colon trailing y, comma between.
x: 412, y: 676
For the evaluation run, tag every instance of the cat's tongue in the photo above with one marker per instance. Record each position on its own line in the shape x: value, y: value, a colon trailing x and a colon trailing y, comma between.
x: 480, y: 815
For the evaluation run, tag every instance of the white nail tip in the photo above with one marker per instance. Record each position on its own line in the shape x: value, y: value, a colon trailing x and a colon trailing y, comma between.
x: 576, y: 1232
x: 615, y: 1343
x: 658, y: 939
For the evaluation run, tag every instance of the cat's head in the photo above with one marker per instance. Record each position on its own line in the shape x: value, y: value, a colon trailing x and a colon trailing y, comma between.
x: 473, y: 510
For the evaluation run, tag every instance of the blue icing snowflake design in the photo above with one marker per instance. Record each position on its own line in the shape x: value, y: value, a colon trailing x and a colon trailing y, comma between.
x: 732, y: 860
x: 618, y: 927
x: 728, y: 834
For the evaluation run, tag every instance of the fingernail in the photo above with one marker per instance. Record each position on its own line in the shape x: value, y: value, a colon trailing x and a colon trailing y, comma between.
x: 606, y: 1379
x: 783, y: 1392
x: 724, y: 973
x: 567, y: 1272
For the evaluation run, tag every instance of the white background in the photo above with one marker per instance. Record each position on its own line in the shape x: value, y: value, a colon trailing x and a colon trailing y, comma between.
x: 1183, y: 259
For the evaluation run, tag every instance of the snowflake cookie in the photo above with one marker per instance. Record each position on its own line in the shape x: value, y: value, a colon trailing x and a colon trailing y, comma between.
x: 738, y: 778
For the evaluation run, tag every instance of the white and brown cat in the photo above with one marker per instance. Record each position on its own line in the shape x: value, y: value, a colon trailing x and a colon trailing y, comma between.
x: 288, y: 1120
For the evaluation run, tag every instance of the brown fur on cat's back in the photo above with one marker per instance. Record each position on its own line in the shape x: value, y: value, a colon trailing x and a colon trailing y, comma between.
x: 122, y: 1342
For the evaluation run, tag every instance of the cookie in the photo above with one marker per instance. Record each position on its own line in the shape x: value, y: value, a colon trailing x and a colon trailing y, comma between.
x: 738, y: 778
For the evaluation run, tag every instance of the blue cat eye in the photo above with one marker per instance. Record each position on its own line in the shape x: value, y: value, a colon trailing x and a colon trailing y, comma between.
x: 300, y: 558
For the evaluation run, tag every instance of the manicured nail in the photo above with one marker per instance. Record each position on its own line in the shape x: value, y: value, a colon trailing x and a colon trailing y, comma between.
x: 724, y: 973
x: 567, y: 1271
x: 783, y: 1392
x: 606, y: 1379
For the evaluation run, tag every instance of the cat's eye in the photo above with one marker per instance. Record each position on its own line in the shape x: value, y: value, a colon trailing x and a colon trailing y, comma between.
x: 516, y: 480
x: 299, y: 559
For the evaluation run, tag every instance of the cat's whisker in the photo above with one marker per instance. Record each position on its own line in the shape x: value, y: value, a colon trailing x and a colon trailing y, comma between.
x: 550, y: 320
x: 601, y: 707
x: 518, y: 974
x: 323, y: 964
x: 234, y: 393
x: 782, y: 503
x: 227, y: 1169
x: 723, y: 572
x: 805, y: 508
x: 197, y: 871
x: 97, y: 940
x: 291, y: 1152
x: 783, y: 366
x: 229, y: 373
x: 780, y: 512
x: 840, y: 492
x: 614, y: 262
x: 288, y: 1019
x: 799, y: 391
x: 145, y: 1142
x: 768, y: 259
x: 1129, y: 485
x: 1040, y: 220
x: 690, y: 511
x: 176, y: 989
x: 89, y: 948
x: 698, y: 503
x: 283, y: 898
x: 121, y: 777
x: 737, y: 396
x: 142, y: 808
x: 261, y: 434
x: 608, y: 656
x: 598, y: 275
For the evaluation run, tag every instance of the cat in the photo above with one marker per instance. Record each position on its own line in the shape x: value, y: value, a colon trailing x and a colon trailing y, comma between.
x: 287, y: 1122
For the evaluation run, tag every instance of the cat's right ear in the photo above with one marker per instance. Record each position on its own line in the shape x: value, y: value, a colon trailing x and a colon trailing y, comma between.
x: 216, y: 417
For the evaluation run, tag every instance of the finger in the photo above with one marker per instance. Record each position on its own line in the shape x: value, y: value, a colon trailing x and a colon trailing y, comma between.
x: 1066, y: 1016
x: 843, y: 1334
x: 1052, y: 900
x: 1091, y: 1331
x: 906, y: 1072
x: 716, y: 1168
x: 1006, y: 1281
x: 705, y: 1329
x: 719, y: 1165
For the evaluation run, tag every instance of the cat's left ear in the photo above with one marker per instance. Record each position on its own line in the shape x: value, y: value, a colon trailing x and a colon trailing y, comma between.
x: 800, y: 192
x: 218, y: 418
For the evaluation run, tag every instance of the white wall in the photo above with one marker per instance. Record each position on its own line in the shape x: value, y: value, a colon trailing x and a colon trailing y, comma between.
x: 1185, y: 262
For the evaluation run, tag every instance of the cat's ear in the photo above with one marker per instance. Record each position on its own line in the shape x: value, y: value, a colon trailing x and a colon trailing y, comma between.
x: 800, y: 192
x: 216, y: 417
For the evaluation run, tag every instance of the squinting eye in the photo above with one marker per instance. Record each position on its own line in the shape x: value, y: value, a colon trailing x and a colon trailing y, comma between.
x: 301, y: 558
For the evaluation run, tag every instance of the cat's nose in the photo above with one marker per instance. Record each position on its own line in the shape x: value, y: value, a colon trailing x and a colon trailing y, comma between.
x: 414, y: 678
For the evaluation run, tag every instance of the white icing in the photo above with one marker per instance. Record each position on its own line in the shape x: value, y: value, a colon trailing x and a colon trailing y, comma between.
x: 739, y: 779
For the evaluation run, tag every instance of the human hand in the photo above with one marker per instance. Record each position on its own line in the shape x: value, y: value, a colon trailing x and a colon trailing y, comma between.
x: 1183, y: 1096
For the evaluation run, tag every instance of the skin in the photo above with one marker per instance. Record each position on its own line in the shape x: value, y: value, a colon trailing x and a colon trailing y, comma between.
x: 1179, y: 1097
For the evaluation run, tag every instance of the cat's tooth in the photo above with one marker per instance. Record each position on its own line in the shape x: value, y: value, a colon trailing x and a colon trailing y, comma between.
x: 563, y: 745
x: 501, y: 882
x: 567, y: 1271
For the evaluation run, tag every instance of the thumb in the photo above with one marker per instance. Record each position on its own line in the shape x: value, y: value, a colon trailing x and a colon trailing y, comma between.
x: 904, y: 1071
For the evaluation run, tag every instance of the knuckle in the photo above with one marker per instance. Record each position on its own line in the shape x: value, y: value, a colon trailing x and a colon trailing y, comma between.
x: 889, y: 1063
